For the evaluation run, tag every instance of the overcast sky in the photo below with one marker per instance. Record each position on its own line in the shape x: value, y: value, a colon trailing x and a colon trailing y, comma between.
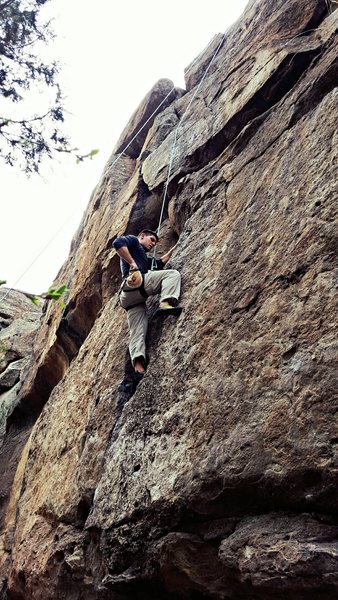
x: 111, y: 55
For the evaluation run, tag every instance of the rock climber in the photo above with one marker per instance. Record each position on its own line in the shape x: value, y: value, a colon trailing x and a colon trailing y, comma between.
x: 135, y: 267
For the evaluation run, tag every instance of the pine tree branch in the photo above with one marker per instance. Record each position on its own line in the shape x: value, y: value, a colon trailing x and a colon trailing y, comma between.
x: 5, y: 4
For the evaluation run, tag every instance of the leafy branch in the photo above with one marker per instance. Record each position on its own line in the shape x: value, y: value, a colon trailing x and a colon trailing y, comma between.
x: 29, y: 140
x: 53, y: 293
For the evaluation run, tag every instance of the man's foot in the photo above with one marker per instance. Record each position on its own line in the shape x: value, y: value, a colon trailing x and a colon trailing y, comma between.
x: 139, y: 366
x: 169, y: 307
x: 172, y: 302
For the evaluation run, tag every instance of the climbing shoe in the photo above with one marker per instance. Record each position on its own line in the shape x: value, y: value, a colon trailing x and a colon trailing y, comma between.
x: 167, y: 308
x: 138, y: 376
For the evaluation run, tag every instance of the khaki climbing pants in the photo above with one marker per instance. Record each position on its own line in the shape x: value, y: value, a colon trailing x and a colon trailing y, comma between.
x: 167, y: 283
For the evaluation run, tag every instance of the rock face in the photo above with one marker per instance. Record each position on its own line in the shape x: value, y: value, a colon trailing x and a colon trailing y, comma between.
x: 216, y: 476
x: 19, y: 322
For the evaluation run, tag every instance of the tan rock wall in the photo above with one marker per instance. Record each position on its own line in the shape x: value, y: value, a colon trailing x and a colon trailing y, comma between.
x: 216, y: 476
x: 19, y: 322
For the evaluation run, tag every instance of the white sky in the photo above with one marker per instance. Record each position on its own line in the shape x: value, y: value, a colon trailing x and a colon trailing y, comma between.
x: 112, y: 54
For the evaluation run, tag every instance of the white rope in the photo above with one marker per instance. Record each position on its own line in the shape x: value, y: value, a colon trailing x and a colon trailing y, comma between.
x: 175, y: 141
x: 38, y: 256
x: 139, y: 131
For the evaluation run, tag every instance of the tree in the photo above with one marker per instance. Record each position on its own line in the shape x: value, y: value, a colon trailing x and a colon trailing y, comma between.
x: 27, y: 139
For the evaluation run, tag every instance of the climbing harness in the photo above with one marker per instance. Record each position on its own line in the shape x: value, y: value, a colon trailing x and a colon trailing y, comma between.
x: 133, y: 285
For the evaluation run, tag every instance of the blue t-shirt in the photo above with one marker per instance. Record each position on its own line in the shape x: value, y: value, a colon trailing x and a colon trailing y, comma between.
x: 137, y: 252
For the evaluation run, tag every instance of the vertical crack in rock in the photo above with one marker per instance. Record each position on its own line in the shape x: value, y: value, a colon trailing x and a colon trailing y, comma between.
x: 146, y: 210
x: 326, y: 83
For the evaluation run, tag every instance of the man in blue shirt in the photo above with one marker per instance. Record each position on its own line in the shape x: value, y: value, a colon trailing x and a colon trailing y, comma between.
x: 132, y: 251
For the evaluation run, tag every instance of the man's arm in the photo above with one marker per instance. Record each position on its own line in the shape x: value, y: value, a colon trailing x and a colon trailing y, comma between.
x: 124, y: 253
x: 167, y: 256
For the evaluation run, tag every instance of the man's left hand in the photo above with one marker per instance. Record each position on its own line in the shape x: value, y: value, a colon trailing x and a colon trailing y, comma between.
x: 167, y: 256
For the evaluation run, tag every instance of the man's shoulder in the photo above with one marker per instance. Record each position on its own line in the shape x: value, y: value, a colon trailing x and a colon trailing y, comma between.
x: 133, y: 241
x: 128, y: 237
x: 126, y: 240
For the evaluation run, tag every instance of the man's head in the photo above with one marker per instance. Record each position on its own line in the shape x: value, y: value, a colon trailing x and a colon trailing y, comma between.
x: 148, y: 239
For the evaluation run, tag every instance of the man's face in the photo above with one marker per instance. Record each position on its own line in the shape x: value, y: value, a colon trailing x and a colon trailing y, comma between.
x: 148, y: 241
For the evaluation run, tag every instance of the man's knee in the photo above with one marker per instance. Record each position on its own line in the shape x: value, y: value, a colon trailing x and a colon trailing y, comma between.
x: 174, y: 272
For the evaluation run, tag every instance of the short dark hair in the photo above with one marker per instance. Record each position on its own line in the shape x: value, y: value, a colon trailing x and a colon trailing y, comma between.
x: 149, y: 232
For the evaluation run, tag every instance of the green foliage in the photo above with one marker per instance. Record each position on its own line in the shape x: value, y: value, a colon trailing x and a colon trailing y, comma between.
x: 89, y: 155
x: 3, y: 281
x: 31, y: 138
x: 53, y: 293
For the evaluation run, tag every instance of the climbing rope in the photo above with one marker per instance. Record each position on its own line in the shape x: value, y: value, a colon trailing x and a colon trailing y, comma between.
x: 173, y: 147
x: 37, y: 257
x: 142, y: 127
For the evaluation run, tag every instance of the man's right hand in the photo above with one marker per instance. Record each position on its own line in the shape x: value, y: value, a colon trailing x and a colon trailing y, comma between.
x: 124, y: 253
